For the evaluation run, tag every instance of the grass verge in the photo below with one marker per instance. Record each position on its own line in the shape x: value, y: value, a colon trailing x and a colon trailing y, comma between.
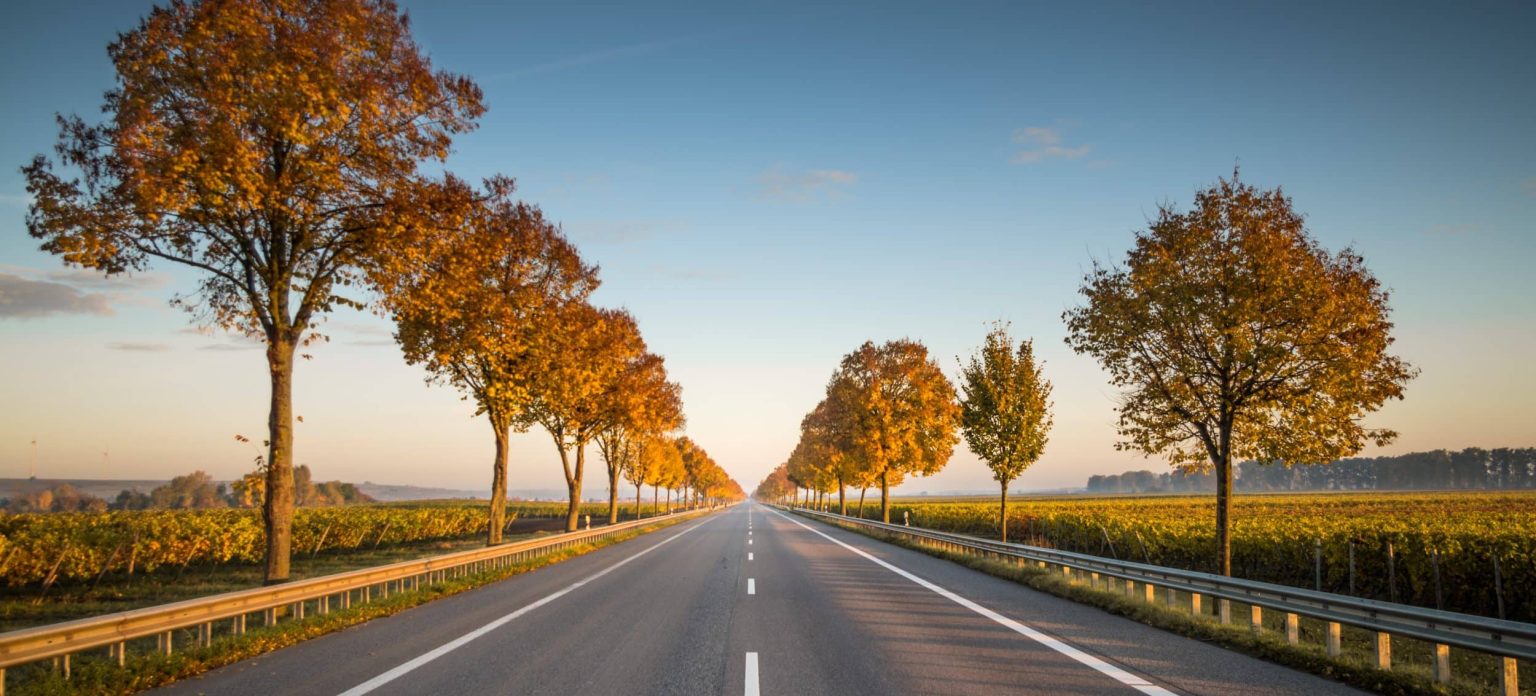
x: 92, y: 672
x: 1474, y: 673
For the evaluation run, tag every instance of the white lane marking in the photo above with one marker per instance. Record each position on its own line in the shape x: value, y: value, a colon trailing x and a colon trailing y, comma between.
x: 749, y: 555
x: 751, y: 689
x: 456, y: 643
x: 749, y: 542
x: 751, y: 586
x: 1117, y: 673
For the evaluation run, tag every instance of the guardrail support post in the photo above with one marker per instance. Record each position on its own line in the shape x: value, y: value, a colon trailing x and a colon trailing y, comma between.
x: 1256, y: 618
x: 1093, y: 580
x: 66, y: 667
x: 1170, y: 597
x: 1509, y: 677
x: 1334, y: 647
x: 119, y: 652
x: 1194, y: 604
x: 1066, y: 572
x: 205, y: 634
x: 1224, y: 609
x: 1150, y: 592
x: 1383, y: 650
x: 163, y: 642
x: 238, y: 625
x: 1292, y: 629
x: 269, y: 617
x: 2, y: 681
x: 1442, y: 663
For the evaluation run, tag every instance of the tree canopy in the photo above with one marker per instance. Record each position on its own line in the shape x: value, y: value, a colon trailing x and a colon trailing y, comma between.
x: 1006, y: 411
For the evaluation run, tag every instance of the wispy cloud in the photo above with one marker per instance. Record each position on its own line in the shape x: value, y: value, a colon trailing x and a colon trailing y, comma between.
x: 139, y: 347
x: 23, y: 298
x: 1042, y: 143
x: 801, y: 187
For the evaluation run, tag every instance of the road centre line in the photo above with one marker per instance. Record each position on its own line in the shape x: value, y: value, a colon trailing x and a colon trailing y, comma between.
x: 751, y: 586
x: 459, y: 642
x: 751, y: 688
x: 1117, y: 673
x: 749, y: 555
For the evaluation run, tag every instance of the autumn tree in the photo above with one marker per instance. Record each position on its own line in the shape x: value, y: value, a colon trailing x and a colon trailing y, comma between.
x: 638, y: 403
x: 267, y: 144
x: 571, y: 372
x: 1005, y: 413
x: 900, y: 410
x: 470, y: 305
x: 1233, y: 333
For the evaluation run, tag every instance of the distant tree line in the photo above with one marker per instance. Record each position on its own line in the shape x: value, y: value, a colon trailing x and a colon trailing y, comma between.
x: 194, y: 491
x: 1473, y: 468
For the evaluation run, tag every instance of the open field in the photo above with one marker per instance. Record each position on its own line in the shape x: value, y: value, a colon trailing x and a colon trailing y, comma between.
x: 1443, y: 545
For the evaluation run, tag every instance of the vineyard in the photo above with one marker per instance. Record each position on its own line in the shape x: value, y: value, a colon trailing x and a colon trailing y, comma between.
x: 1467, y: 552
x: 53, y: 547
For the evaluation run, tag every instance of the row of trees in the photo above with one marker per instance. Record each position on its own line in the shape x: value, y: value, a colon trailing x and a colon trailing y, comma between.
x: 194, y: 491
x: 278, y: 147
x: 889, y: 413
x: 1473, y: 468
x: 1233, y: 335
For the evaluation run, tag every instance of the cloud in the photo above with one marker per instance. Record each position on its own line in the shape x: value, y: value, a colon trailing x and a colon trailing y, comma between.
x: 96, y: 280
x: 21, y: 298
x: 1043, y: 143
x: 806, y: 186
x: 140, y: 347
x: 222, y: 347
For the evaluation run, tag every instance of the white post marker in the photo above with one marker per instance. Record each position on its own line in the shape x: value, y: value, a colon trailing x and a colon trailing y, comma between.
x: 1125, y: 677
x: 751, y: 586
x: 751, y: 688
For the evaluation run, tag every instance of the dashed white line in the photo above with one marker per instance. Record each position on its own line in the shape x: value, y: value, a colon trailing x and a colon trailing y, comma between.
x: 751, y: 586
x: 1124, y: 677
x: 749, y: 555
x: 751, y: 688
x: 456, y: 643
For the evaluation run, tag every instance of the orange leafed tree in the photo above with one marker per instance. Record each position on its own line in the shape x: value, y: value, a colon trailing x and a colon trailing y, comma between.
x: 471, y: 305
x: 572, y: 372
x: 1234, y: 334
x: 639, y: 403
x: 272, y: 145
x: 900, y: 412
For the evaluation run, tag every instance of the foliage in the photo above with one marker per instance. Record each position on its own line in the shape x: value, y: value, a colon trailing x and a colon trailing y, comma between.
x: 273, y: 146
x: 1233, y: 334
x: 1006, y: 411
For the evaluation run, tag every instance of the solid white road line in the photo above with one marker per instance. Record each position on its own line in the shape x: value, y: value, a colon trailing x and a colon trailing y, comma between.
x: 749, y: 555
x: 459, y: 642
x: 751, y: 689
x: 751, y: 586
x: 1117, y: 673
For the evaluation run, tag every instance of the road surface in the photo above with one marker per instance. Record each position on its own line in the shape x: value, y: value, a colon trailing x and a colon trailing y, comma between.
x: 751, y: 601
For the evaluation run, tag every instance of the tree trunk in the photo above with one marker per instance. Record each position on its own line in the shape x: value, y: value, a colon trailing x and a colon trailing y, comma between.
x: 1224, y: 512
x: 862, y: 491
x: 613, y: 495
x: 656, y: 498
x: 637, y: 501
x: 885, y: 498
x: 842, y: 505
x: 498, y: 485
x: 669, y: 500
x: 573, y: 485
x: 1003, y: 521
x: 277, y: 509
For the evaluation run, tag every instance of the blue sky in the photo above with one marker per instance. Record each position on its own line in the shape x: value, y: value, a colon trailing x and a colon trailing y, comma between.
x: 767, y: 186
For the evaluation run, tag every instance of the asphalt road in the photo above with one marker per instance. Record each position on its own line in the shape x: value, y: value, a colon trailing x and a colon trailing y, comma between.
x: 750, y: 601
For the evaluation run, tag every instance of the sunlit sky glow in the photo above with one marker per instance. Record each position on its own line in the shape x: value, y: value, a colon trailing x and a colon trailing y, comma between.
x: 766, y: 187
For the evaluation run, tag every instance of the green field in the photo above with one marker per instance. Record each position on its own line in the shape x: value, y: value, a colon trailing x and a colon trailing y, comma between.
x: 1457, y: 536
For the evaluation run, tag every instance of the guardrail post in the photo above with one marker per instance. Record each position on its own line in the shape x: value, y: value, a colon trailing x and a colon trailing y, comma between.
x: 269, y: 616
x: 1292, y: 629
x: 2, y: 681
x: 1383, y: 650
x: 1150, y: 592
x: 1334, y: 647
x: 1509, y: 677
x: 1224, y: 609
x: 66, y: 667
x: 1256, y: 618
x: 164, y: 643
x: 1442, y: 666
x: 1194, y: 604
x: 205, y: 634
x: 119, y: 652
x: 1066, y: 572
x: 238, y: 625
x: 1093, y: 580
x: 1170, y: 597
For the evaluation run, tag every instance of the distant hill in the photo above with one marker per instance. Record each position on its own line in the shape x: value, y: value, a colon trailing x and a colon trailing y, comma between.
x: 390, y: 493
x: 106, y: 489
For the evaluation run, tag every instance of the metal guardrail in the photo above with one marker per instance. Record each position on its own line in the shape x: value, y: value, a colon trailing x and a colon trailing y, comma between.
x: 61, y: 640
x: 1509, y: 640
